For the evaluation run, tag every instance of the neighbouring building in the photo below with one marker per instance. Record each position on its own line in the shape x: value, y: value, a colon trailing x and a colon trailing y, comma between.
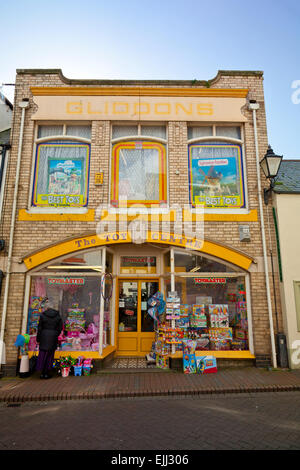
x: 152, y: 183
x: 286, y: 213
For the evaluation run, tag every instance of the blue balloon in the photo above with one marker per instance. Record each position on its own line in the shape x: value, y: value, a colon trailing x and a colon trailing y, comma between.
x: 20, y: 341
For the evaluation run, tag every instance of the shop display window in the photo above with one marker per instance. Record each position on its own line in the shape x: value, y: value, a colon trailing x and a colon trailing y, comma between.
x: 216, y: 175
x: 186, y: 262
x: 78, y: 299
x: 138, y: 265
x: 89, y: 261
x: 61, y: 174
x: 213, y: 311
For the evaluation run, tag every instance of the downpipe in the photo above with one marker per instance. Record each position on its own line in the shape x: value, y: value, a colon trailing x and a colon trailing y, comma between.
x: 253, y: 107
x: 23, y: 105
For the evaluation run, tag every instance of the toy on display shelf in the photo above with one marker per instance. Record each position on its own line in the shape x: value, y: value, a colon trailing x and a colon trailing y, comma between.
x: 218, y: 315
x: 76, y: 318
x: 206, y: 364
x: 198, y: 318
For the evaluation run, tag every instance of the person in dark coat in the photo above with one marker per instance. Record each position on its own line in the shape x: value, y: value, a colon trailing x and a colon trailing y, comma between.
x: 49, y: 328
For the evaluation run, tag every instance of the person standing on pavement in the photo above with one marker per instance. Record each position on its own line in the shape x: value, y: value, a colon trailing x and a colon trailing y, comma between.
x: 49, y: 328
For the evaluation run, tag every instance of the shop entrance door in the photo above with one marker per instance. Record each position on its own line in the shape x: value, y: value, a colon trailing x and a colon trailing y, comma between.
x: 135, y: 326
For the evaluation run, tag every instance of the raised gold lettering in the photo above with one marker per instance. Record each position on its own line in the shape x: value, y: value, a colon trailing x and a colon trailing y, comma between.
x: 125, y: 109
x: 74, y: 107
x: 166, y: 111
x: 90, y: 111
x: 185, y: 110
x: 138, y: 106
x: 205, y: 109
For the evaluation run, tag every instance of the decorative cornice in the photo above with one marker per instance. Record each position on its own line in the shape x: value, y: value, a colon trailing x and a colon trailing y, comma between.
x: 140, y: 91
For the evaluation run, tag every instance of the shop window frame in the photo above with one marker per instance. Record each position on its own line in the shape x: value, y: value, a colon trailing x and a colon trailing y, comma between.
x: 163, y: 178
x: 60, y: 138
x: 226, y: 140
x: 41, y: 271
x: 236, y: 272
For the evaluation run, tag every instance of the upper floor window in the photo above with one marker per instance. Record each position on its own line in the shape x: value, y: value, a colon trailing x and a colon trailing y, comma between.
x: 138, y: 165
x: 216, y: 173
x: 61, y: 169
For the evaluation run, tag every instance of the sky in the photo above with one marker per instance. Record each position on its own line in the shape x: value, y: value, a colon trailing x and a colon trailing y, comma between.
x: 163, y: 39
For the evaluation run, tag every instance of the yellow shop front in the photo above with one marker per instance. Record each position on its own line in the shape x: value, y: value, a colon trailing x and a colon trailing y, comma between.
x: 102, y: 285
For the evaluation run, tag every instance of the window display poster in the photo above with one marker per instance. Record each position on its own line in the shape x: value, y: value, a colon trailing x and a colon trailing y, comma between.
x: 216, y: 176
x: 61, y: 175
x: 65, y: 178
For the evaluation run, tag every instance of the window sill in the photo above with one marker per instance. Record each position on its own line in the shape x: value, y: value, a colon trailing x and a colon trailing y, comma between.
x: 57, y: 214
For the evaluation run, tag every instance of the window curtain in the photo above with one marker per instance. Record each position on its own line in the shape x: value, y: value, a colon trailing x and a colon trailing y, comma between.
x: 139, y: 174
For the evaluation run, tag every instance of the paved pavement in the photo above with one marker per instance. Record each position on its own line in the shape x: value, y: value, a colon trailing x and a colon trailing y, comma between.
x: 246, y: 421
x: 116, y: 384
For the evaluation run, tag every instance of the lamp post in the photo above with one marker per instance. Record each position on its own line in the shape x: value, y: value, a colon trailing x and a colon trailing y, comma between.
x: 270, y: 165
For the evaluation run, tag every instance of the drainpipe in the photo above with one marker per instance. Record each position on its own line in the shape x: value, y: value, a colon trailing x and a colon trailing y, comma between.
x: 253, y: 106
x: 23, y: 105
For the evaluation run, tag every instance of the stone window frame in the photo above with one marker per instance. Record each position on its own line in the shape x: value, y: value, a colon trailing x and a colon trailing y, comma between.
x: 144, y: 138
x: 64, y: 137
x: 215, y: 137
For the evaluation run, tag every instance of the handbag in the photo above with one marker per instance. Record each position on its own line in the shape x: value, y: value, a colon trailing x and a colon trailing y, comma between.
x: 33, y: 363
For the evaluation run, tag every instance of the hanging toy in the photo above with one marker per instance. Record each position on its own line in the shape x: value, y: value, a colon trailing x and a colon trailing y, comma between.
x: 157, y: 305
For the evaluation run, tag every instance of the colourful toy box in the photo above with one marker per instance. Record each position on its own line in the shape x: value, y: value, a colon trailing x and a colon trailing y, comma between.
x: 189, y: 364
x: 162, y: 362
x: 206, y: 364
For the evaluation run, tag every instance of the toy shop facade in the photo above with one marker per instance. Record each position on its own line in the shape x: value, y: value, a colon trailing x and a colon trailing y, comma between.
x: 114, y: 180
x: 106, y: 295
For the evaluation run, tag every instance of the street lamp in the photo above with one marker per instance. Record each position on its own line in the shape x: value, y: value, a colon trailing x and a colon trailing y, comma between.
x: 270, y: 166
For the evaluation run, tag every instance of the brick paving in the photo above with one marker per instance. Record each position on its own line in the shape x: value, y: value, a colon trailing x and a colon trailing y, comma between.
x: 143, y: 383
x: 259, y: 421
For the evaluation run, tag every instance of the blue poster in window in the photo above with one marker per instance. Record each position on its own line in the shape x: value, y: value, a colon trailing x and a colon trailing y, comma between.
x: 65, y: 176
x: 216, y: 176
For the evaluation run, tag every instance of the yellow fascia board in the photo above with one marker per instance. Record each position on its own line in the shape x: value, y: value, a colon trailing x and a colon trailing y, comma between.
x: 89, y: 216
x: 140, y: 91
x: 92, y: 241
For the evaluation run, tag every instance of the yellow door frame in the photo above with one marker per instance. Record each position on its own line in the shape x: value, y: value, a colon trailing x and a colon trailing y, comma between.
x: 129, y: 337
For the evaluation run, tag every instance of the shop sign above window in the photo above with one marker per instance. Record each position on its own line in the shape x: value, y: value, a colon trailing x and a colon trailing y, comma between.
x: 61, y: 174
x: 210, y: 280
x: 216, y: 175
x: 75, y: 281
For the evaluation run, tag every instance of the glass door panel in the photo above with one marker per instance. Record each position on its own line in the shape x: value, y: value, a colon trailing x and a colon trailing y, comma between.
x: 148, y: 289
x: 128, y: 306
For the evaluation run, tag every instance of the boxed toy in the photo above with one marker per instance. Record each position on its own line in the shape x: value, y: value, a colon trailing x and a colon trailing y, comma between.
x: 162, y: 362
x: 216, y: 334
x: 220, y: 345
x: 238, y: 345
x: 206, y: 364
x: 203, y: 343
x: 189, y: 364
x: 240, y: 334
x: 184, y: 310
